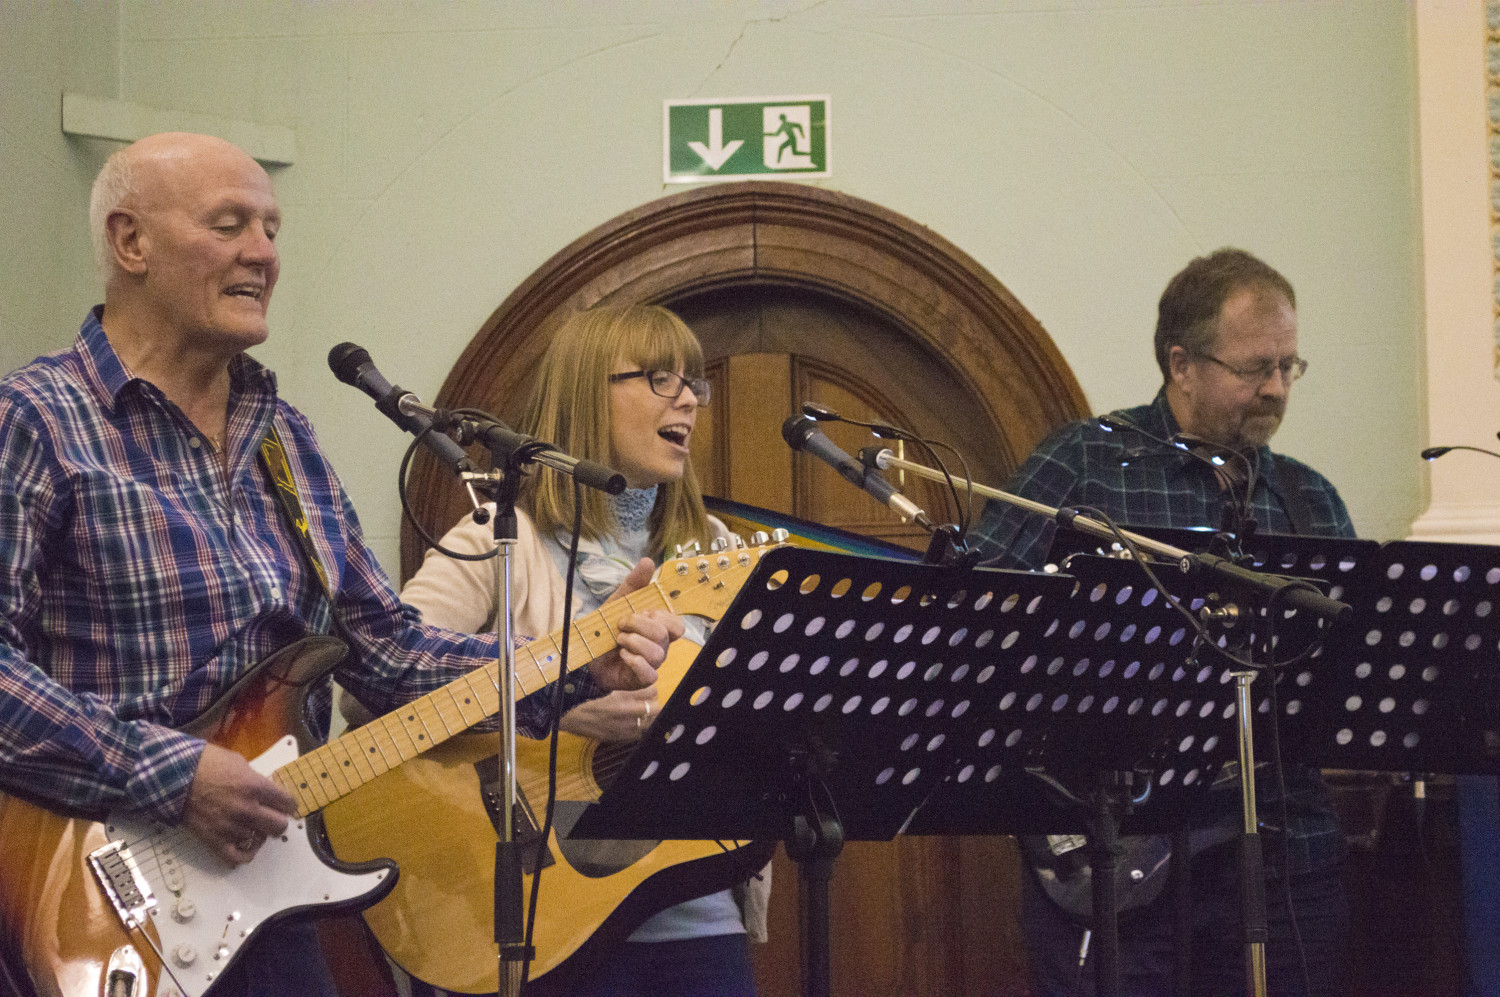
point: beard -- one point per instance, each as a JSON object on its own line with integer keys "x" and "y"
{"x": 1259, "y": 425}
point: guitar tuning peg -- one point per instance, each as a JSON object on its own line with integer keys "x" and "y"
{"x": 779, "y": 535}
{"x": 718, "y": 544}
{"x": 688, "y": 549}
{"x": 759, "y": 537}
{"x": 737, "y": 541}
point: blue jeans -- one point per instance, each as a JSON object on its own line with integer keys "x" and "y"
{"x": 713, "y": 966}
{"x": 285, "y": 960}
{"x": 1147, "y": 951}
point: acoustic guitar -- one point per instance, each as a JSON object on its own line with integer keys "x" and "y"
{"x": 131, "y": 907}
{"x": 438, "y": 817}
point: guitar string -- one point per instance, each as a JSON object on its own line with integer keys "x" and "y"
{"x": 151, "y": 846}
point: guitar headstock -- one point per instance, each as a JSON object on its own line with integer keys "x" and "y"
{"x": 704, "y": 583}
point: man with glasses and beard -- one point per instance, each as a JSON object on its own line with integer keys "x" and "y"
{"x": 1226, "y": 343}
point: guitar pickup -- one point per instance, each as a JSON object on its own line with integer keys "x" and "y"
{"x": 116, "y": 869}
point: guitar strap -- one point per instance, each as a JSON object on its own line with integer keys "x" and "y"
{"x": 1293, "y": 500}
{"x": 273, "y": 459}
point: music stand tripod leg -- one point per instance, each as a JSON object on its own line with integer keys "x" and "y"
{"x": 1110, "y": 801}
{"x": 1181, "y": 882}
{"x": 813, "y": 842}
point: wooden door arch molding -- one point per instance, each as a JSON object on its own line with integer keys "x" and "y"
{"x": 770, "y": 234}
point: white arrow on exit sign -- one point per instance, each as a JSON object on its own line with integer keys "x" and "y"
{"x": 716, "y": 153}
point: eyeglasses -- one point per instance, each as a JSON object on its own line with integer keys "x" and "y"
{"x": 1290, "y": 368}
{"x": 669, "y": 384}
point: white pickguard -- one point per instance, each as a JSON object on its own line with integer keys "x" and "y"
{"x": 206, "y": 911}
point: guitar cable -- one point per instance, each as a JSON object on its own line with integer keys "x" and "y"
{"x": 557, "y": 712}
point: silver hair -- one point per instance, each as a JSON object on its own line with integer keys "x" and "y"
{"x": 114, "y": 185}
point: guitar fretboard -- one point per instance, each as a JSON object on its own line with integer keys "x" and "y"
{"x": 346, "y": 763}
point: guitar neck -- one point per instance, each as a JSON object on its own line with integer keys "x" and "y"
{"x": 346, "y": 763}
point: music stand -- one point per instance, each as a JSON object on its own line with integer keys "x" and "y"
{"x": 1405, "y": 682}
{"x": 1108, "y": 704}
{"x": 827, "y": 704}
{"x": 1410, "y": 682}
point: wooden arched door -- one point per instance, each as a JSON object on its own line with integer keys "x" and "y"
{"x": 800, "y": 294}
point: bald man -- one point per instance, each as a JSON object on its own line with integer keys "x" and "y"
{"x": 146, "y": 564}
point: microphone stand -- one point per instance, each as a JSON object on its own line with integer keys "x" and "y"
{"x": 510, "y": 452}
{"x": 1266, "y": 588}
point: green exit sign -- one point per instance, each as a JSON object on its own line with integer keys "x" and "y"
{"x": 745, "y": 139}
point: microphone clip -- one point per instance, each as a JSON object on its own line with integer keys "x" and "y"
{"x": 947, "y": 548}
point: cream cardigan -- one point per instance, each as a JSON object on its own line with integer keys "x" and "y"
{"x": 460, "y": 595}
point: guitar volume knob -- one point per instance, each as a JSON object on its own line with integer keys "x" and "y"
{"x": 183, "y": 909}
{"x": 184, "y": 955}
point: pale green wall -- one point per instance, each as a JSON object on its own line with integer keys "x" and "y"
{"x": 46, "y": 271}
{"x": 1081, "y": 152}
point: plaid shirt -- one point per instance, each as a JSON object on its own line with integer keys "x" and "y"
{"x": 138, "y": 581}
{"x": 1079, "y": 464}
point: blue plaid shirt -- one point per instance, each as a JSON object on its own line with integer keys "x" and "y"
{"x": 1079, "y": 464}
{"x": 138, "y": 581}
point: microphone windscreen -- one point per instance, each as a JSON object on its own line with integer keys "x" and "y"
{"x": 796, "y": 429}
{"x": 345, "y": 360}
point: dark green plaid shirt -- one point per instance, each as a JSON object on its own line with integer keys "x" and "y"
{"x": 1080, "y": 464}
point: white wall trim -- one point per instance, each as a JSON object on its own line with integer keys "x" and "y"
{"x": 1463, "y": 398}
{"x": 122, "y": 121}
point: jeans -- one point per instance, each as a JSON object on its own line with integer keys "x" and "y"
{"x": 284, "y": 961}
{"x": 712, "y": 966}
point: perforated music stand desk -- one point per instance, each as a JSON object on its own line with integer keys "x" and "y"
{"x": 1409, "y": 681}
{"x": 825, "y": 706}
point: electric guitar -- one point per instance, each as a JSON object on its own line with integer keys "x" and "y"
{"x": 132, "y": 908}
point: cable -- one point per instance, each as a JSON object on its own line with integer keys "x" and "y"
{"x": 1198, "y": 628}
{"x": 411, "y": 517}
{"x": 1284, "y": 812}
{"x": 885, "y": 431}
{"x": 557, "y": 712}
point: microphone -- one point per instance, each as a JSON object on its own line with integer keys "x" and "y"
{"x": 1433, "y": 453}
{"x": 802, "y": 433}
{"x": 352, "y": 365}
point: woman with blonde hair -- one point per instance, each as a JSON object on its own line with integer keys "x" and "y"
{"x": 620, "y": 385}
